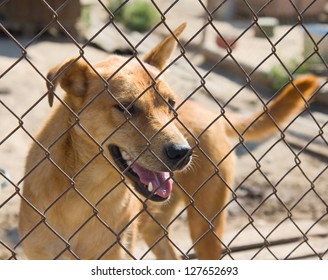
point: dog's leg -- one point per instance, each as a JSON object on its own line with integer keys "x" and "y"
{"x": 131, "y": 239}
{"x": 206, "y": 216}
{"x": 206, "y": 233}
{"x": 152, "y": 229}
{"x": 208, "y": 187}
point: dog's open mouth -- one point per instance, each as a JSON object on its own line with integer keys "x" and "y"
{"x": 156, "y": 186}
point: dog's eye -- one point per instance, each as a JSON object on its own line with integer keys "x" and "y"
{"x": 171, "y": 102}
{"x": 125, "y": 107}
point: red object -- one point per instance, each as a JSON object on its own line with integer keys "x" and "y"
{"x": 227, "y": 40}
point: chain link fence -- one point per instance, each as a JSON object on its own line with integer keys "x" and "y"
{"x": 81, "y": 199}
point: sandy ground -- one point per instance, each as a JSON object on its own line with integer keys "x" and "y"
{"x": 274, "y": 180}
{"x": 278, "y": 184}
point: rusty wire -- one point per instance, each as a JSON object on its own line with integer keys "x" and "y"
{"x": 209, "y": 22}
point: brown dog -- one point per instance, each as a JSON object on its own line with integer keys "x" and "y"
{"x": 115, "y": 147}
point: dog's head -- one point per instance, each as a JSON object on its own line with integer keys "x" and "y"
{"x": 127, "y": 107}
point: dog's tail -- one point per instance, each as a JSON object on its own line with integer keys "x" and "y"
{"x": 289, "y": 102}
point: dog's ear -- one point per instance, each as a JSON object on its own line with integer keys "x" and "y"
{"x": 159, "y": 55}
{"x": 72, "y": 77}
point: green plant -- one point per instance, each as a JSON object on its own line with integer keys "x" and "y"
{"x": 115, "y": 6}
{"x": 138, "y": 15}
{"x": 279, "y": 76}
{"x": 85, "y": 16}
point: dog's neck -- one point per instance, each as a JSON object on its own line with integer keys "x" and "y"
{"x": 73, "y": 150}
{"x": 62, "y": 141}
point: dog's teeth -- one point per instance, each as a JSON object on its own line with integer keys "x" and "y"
{"x": 124, "y": 155}
{"x": 150, "y": 187}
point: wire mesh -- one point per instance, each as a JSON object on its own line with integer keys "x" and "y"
{"x": 275, "y": 208}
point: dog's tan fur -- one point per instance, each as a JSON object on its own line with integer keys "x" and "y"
{"x": 75, "y": 201}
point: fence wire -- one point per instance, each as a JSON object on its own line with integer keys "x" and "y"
{"x": 276, "y": 207}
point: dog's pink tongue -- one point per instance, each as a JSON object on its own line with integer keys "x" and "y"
{"x": 160, "y": 181}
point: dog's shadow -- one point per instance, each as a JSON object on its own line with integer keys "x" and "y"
{"x": 251, "y": 146}
{"x": 12, "y": 235}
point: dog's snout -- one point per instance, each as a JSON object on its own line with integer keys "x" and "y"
{"x": 178, "y": 155}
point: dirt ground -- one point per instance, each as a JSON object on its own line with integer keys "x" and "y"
{"x": 276, "y": 181}
{"x": 281, "y": 179}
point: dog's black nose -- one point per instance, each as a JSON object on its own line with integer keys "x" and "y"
{"x": 178, "y": 155}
